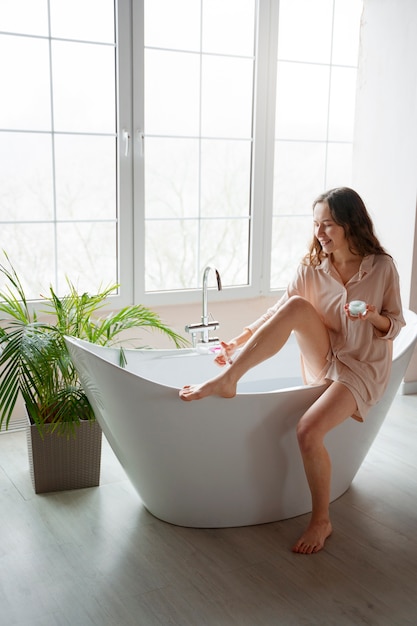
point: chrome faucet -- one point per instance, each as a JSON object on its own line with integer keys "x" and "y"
{"x": 203, "y": 329}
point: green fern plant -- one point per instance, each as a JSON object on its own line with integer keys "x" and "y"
{"x": 34, "y": 360}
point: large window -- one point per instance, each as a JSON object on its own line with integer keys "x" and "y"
{"x": 141, "y": 140}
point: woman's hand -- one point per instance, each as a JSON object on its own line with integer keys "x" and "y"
{"x": 358, "y": 316}
{"x": 381, "y": 322}
{"x": 228, "y": 350}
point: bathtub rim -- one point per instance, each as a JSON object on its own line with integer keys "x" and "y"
{"x": 169, "y": 353}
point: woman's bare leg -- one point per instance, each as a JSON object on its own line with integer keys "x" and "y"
{"x": 333, "y": 407}
{"x": 296, "y": 314}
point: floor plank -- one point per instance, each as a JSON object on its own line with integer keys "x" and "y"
{"x": 96, "y": 557}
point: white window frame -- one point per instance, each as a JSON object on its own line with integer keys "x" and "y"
{"x": 126, "y": 145}
{"x": 129, "y": 15}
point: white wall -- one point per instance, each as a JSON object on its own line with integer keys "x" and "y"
{"x": 385, "y": 142}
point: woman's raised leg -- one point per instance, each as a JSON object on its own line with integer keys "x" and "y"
{"x": 296, "y": 314}
{"x": 333, "y": 407}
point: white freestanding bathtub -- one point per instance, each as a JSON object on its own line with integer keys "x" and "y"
{"x": 221, "y": 462}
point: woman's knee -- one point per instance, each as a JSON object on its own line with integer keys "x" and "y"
{"x": 298, "y": 303}
{"x": 308, "y": 435}
{"x": 299, "y": 310}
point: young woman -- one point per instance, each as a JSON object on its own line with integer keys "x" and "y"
{"x": 352, "y": 354}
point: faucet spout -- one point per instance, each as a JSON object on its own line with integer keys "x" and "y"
{"x": 206, "y": 273}
{"x": 205, "y": 326}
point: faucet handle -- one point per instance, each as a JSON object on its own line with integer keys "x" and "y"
{"x": 196, "y": 328}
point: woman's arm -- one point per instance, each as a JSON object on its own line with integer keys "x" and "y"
{"x": 380, "y": 322}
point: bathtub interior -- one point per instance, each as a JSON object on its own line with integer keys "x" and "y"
{"x": 176, "y": 368}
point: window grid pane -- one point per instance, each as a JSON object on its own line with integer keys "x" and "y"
{"x": 198, "y": 143}
{"x": 316, "y": 80}
{"x": 59, "y": 213}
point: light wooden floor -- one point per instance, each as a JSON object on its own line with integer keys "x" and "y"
{"x": 97, "y": 557}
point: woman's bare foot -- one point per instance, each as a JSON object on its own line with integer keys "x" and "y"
{"x": 215, "y": 387}
{"x": 314, "y": 537}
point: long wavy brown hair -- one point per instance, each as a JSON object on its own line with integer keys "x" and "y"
{"x": 348, "y": 210}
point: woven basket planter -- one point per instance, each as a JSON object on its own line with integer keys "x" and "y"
{"x": 58, "y": 463}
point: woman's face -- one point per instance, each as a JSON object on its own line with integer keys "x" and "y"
{"x": 330, "y": 235}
